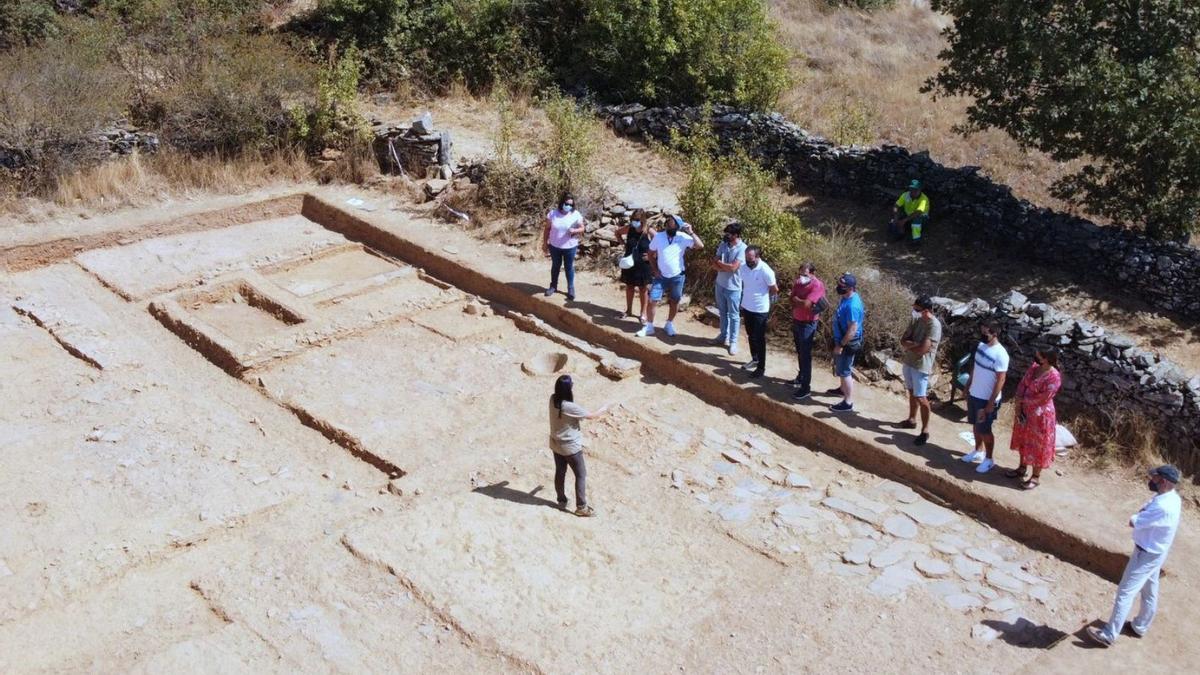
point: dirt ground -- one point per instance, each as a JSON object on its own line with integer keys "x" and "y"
{"x": 364, "y": 484}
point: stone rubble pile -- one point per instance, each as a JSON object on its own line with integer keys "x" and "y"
{"x": 1102, "y": 371}
{"x": 115, "y": 141}
{"x": 416, "y": 149}
{"x": 1166, "y": 274}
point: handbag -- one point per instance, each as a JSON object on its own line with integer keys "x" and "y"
{"x": 820, "y": 305}
{"x": 625, "y": 262}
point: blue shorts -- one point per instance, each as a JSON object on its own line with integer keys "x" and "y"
{"x": 974, "y": 406}
{"x": 916, "y": 382}
{"x": 673, "y": 286}
{"x": 842, "y": 363}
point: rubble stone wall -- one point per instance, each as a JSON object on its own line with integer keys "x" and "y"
{"x": 1165, "y": 274}
{"x": 1103, "y": 372}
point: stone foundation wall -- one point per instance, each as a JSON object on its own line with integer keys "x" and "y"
{"x": 1102, "y": 371}
{"x": 1165, "y": 274}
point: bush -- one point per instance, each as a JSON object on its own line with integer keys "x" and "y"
{"x": 683, "y": 51}
{"x": 56, "y": 96}
{"x": 853, "y": 123}
{"x": 26, "y": 22}
{"x": 676, "y": 51}
{"x": 333, "y": 119}
{"x": 566, "y": 156}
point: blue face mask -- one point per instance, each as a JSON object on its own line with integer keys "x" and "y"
{"x": 567, "y": 208}
{"x": 635, "y": 224}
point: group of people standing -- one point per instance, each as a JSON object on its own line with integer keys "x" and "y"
{"x": 746, "y": 289}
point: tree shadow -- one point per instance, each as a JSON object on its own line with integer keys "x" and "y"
{"x": 502, "y": 491}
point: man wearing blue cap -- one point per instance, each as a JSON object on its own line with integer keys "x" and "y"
{"x": 847, "y": 340}
{"x": 1153, "y": 531}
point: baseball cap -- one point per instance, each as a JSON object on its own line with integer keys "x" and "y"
{"x": 848, "y": 280}
{"x": 1167, "y": 471}
{"x": 914, "y": 184}
{"x": 924, "y": 302}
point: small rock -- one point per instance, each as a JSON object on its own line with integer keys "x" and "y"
{"x": 929, "y": 514}
{"x": 933, "y": 568}
{"x": 966, "y": 568}
{"x": 984, "y": 556}
{"x": 677, "y": 478}
{"x": 984, "y": 633}
{"x": 900, "y": 527}
{"x": 795, "y": 480}
{"x": 5, "y": 571}
{"x": 735, "y": 513}
{"x": 851, "y": 509}
{"x": 1001, "y": 605}
{"x": 1040, "y": 593}
{"x": 963, "y": 602}
{"x": 889, "y": 556}
{"x": 735, "y": 456}
{"x": 759, "y": 445}
{"x": 1004, "y": 581}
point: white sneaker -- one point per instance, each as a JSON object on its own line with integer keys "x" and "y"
{"x": 985, "y": 466}
{"x": 733, "y": 349}
{"x": 670, "y": 329}
{"x": 750, "y": 366}
{"x": 972, "y": 456}
{"x": 646, "y": 330}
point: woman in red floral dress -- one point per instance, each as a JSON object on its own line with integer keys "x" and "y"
{"x": 1033, "y": 433}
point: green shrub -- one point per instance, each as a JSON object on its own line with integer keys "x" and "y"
{"x": 566, "y": 156}
{"x": 26, "y": 22}
{"x": 867, "y": 5}
{"x": 853, "y": 123}
{"x": 333, "y": 119}
{"x": 676, "y": 51}
{"x": 684, "y": 51}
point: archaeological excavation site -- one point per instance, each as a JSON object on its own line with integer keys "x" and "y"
{"x": 306, "y": 432}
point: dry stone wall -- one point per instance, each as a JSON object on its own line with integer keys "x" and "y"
{"x": 1166, "y": 274}
{"x": 1103, "y": 372}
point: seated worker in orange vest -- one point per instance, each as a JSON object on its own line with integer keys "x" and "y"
{"x": 915, "y": 205}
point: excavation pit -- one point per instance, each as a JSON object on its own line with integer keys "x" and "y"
{"x": 544, "y": 365}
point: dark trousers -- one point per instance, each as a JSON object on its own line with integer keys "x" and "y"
{"x": 559, "y": 258}
{"x": 804, "y": 333}
{"x": 575, "y": 461}
{"x": 899, "y": 232}
{"x": 756, "y": 332}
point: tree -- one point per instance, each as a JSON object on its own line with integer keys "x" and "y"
{"x": 1115, "y": 82}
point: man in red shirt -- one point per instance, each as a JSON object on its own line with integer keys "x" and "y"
{"x": 808, "y": 299}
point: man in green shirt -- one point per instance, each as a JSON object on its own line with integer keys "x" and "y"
{"x": 913, "y": 204}
{"x": 920, "y": 343}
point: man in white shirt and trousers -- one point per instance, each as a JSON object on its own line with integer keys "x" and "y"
{"x": 1153, "y": 531}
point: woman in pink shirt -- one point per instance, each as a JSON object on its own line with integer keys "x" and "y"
{"x": 560, "y": 241}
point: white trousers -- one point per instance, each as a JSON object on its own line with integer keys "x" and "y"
{"x": 1140, "y": 577}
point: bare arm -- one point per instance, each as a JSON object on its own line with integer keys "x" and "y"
{"x": 599, "y": 413}
{"x": 1000, "y": 378}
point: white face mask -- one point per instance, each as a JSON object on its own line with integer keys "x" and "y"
{"x": 804, "y": 281}
{"x": 916, "y": 314}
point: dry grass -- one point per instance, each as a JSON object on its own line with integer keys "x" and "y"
{"x": 133, "y": 180}
{"x": 876, "y": 62}
{"x": 1118, "y": 439}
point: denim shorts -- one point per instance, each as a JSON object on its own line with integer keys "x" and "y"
{"x": 673, "y": 286}
{"x": 974, "y": 405}
{"x": 916, "y": 382}
{"x": 842, "y": 363}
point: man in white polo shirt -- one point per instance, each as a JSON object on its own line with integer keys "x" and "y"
{"x": 759, "y": 292}
{"x": 1154, "y": 530}
{"x": 666, "y": 254}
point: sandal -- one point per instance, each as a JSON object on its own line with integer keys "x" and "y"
{"x": 1015, "y": 473}
{"x": 585, "y": 511}
{"x": 1029, "y": 484}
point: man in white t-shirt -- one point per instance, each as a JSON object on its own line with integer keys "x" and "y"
{"x": 759, "y": 292}
{"x": 1154, "y": 528}
{"x": 984, "y": 387}
{"x": 666, "y": 256}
